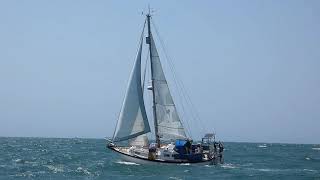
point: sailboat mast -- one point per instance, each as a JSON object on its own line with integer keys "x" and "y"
{"x": 152, "y": 82}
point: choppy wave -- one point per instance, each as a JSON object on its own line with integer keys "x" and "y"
{"x": 47, "y": 158}
{"x": 55, "y": 169}
{"x": 83, "y": 170}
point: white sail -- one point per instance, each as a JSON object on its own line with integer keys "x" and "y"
{"x": 141, "y": 141}
{"x": 133, "y": 120}
{"x": 169, "y": 124}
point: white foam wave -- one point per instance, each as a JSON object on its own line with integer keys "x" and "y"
{"x": 317, "y": 149}
{"x": 310, "y": 170}
{"x": 184, "y": 164}
{"x": 228, "y": 166}
{"x": 25, "y": 174}
{"x": 55, "y": 169}
{"x": 273, "y": 170}
{"x": 83, "y": 170}
{"x": 127, "y": 163}
{"x": 280, "y": 170}
{"x": 176, "y": 178}
{"x": 266, "y": 170}
{"x": 19, "y": 161}
{"x": 262, "y": 146}
{"x": 247, "y": 164}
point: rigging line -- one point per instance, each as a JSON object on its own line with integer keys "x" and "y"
{"x": 175, "y": 80}
{"x": 186, "y": 95}
{"x": 140, "y": 41}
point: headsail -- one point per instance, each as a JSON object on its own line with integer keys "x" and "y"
{"x": 141, "y": 141}
{"x": 133, "y": 120}
{"x": 169, "y": 124}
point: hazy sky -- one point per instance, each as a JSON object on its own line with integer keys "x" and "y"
{"x": 252, "y": 68}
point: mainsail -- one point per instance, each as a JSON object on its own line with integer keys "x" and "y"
{"x": 133, "y": 120}
{"x": 168, "y": 121}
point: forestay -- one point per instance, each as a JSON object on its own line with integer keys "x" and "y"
{"x": 133, "y": 120}
{"x": 169, "y": 124}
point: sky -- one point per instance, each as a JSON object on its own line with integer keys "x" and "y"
{"x": 251, "y": 68}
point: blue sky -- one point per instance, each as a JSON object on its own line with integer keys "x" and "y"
{"x": 251, "y": 67}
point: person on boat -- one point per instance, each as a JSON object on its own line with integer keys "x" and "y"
{"x": 188, "y": 146}
{"x": 220, "y": 147}
{"x": 152, "y": 151}
{"x": 215, "y": 147}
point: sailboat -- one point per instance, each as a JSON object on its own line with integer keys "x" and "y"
{"x": 171, "y": 145}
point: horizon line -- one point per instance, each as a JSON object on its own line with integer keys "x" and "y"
{"x": 104, "y": 138}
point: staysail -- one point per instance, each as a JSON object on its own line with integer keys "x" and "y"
{"x": 133, "y": 120}
{"x": 168, "y": 121}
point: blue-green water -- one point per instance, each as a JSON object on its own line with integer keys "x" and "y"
{"x": 52, "y": 158}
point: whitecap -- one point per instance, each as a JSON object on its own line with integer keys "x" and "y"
{"x": 317, "y": 149}
{"x": 184, "y": 164}
{"x": 310, "y": 170}
{"x": 25, "y": 174}
{"x": 247, "y": 164}
{"x": 54, "y": 168}
{"x": 266, "y": 170}
{"x": 175, "y": 178}
{"x": 272, "y": 170}
{"x": 127, "y": 163}
{"x": 82, "y": 170}
{"x": 307, "y": 158}
{"x": 32, "y": 163}
{"x": 19, "y": 161}
{"x": 228, "y": 166}
{"x": 262, "y": 146}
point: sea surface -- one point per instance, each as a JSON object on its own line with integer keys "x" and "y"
{"x": 54, "y": 158}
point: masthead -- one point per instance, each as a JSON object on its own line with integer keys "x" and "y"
{"x": 150, "y": 11}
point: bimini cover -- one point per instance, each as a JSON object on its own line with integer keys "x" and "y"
{"x": 180, "y": 146}
{"x": 180, "y": 143}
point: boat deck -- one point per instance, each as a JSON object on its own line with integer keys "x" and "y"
{"x": 141, "y": 155}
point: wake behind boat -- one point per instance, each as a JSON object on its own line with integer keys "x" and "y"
{"x": 172, "y": 144}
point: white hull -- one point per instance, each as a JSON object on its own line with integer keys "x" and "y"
{"x": 145, "y": 161}
{"x": 148, "y": 162}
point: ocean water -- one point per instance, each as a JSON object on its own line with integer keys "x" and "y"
{"x": 54, "y": 158}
